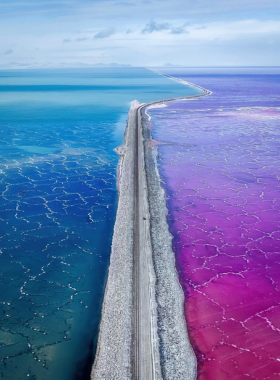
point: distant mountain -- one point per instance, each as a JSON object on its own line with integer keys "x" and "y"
{"x": 101, "y": 64}
{"x": 170, "y": 65}
{"x": 110, "y": 65}
{"x": 66, "y": 65}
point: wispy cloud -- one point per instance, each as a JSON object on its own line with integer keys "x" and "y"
{"x": 68, "y": 30}
{"x": 105, "y": 33}
{"x": 152, "y": 26}
{"x": 179, "y": 30}
{"x": 81, "y": 39}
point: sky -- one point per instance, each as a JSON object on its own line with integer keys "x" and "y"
{"x": 80, "y": 33}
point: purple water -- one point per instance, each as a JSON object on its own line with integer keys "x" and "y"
{"x": 219, "y": 161}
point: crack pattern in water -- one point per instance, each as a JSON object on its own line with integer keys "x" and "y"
{"x": 58, "y": 129}
{"x": 54, "y": 208}
{"x": 220, "y": 168}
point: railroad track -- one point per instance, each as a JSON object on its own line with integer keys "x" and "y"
{"x": 136, "y": 332}
{"x": 143, "y": 361}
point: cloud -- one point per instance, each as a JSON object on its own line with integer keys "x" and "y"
{"x": 80, "y": 39}
{"x": 152, "y": 26}
{"x": 233, "y": 37}
{"x": 9, "y": 51}
{"x": 105, "y": 33}
{"x": 179, "y": 30}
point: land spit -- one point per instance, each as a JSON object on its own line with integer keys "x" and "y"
{"x": 143, "y": 333}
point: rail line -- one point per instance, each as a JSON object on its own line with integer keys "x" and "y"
{"x": 144, "y": 349}
{"x": 136, "y": 332}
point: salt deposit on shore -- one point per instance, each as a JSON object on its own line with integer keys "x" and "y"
{"x": 176, "y": 354}
{"x": 172, "y": 357}
{"x": 177, "y": 358}
{"x": 113, "y": 356}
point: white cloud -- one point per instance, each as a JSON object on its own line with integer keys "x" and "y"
{"x": 105, "y": 33}
{"x": 186, "y": 31}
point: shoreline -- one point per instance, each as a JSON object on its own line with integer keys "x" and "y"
{"x": 161, "y": 350}
{"x": 204, "y": 90}
{"x": 113, "y": 354}
{"x": 177, "y": 357}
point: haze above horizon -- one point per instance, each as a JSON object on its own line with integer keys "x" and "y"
{"x": 71, "y": 33}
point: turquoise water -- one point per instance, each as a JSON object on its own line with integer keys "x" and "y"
{"x": 57, "y": 210}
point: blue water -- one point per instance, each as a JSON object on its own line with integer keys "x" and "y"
{"x": 57, "y": 210}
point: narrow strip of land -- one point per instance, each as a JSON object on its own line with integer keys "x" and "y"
{"x": 145, "y": 347}
{"x": 143, "y": 301}
{"x": 136, "y": 259}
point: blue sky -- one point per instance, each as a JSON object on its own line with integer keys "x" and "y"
{"x": 72, "y": 33}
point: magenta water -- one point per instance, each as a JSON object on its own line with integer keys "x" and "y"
{"x": 219, "y": 161}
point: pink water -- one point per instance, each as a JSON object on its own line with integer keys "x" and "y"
{"x": 220, "y": 167}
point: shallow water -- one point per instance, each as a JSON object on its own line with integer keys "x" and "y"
{"x": 219, "y": 160}
{"x": 57, "y": 210}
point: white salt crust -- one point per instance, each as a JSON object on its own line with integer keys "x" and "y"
{"x": 177, "y": 358}
{"x": 113, "y": 356}
{"x": 113, "y": 360}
